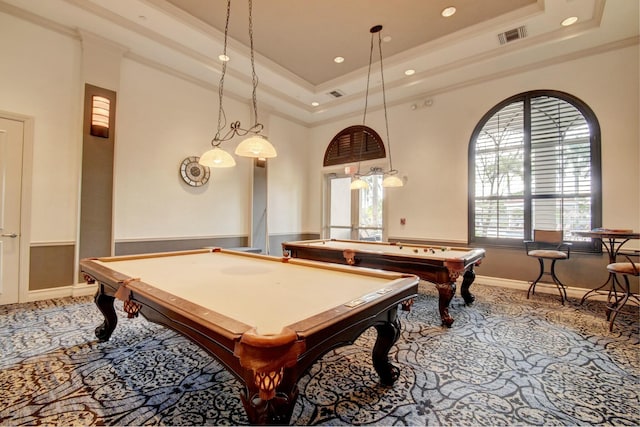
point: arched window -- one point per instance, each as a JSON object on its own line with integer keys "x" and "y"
{"x": 534, "y": 162}
{"x": 354, "y": 144}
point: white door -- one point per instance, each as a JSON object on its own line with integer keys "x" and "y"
{"x": 11, "y": 145}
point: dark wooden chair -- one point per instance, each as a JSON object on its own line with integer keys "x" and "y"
{"x": 548, "y": 245}
{"x": 619, "y": 297}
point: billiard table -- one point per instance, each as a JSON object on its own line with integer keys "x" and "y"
{"x": 266, "y": 319}
{"x": 440, "y": 265}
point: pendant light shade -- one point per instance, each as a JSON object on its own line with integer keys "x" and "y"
{"x": 392, "y": 181}
{"x": 217, "y": 158}
{"x": 358, "y": 184}
{"x": 256, "y": 146}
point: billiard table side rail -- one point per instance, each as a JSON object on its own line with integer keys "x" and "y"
{"x": 431, "y": 270}
{"x": 381, "y": 246}
{"x": 292, "y": 354}
{"x": 117, "y": 285}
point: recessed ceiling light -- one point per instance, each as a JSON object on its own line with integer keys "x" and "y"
{"x": 449, "y": 11}
{"x": 338, "y": 59}
{"x": 223, "y": 57}
{"x": 570, "y": 21}
{"x": 315, "y": 104}
{"x": 386, "y": 39}
{"x": 409, "y": 72}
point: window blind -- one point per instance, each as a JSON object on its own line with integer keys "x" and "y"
{"x": 354, "y": 144}
{"x": 560, "y": 166}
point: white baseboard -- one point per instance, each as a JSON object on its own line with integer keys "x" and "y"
{"x": 78, "y": 290}
{"x": 547, "y": 288}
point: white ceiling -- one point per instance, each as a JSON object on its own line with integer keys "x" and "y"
{"x": 296, "y": 40}
{"x": 305, "y": 36}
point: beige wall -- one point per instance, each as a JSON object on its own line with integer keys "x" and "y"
{"x": 39, "y": 77}
{"x": 162, "y": 120}
{"x": 288, "y": 178}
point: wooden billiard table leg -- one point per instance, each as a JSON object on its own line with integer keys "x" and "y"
{"x": 467, "y": 280}
{"x": 388, "y": 334}
{"x": 446, "y": 291}
{"x": 270, "y": 375}
{"x": 275, "y": 411}
{"x": 105, "y": 305}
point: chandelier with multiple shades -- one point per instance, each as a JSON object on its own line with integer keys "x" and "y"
{"x": 391, "y": 178}
{"x": 256, "y": 145}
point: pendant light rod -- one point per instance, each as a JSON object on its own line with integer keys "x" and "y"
{"x": 222, "y": 118}
{"x": 359, "y": 183}
{"x": 256, "y": 145}
{"x": 390, "y": 180}
{"x": 254, "y": 76}
{"x": 377, "y": 29}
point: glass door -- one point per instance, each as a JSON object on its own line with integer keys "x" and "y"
{"x": 369, "y": 214}
{"x": 340, "y": 213}
{"x": 355, "y": 214}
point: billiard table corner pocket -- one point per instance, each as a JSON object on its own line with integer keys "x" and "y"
{"x": 267, "y": 356}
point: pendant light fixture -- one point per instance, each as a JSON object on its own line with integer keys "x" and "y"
{"x": 390, "y": 177}
{"x": 255, "y": 145}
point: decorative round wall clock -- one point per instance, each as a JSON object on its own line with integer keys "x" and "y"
{"x": 193, "y": 173}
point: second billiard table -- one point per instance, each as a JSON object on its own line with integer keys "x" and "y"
{"x": 437, "y": 264}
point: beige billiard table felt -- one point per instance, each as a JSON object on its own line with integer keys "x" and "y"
{"x": 393, "y": 249}
{"x": 261, "y": 293}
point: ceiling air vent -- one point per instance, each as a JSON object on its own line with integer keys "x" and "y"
{"x": 336, "y": 93}
{"x": 512, "y": 35}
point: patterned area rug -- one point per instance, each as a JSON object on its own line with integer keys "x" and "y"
{"x": 506, "y": 361}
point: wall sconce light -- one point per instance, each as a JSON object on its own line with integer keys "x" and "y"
{"x": 100, "y": 110}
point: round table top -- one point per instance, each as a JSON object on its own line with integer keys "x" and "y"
{"x": 608, "y": 233}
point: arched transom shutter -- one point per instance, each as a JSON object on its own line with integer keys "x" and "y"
{"x": 353, "y": 144}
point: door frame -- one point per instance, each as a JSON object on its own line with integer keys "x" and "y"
{"x": 325, "y": 201}
{"x": 259, "y": 218}
{"x": 327, "y": 176}
{"x": 25, "y": 201}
